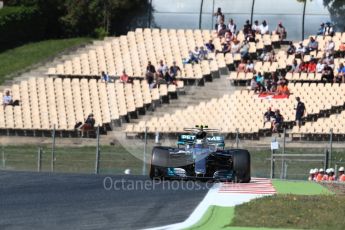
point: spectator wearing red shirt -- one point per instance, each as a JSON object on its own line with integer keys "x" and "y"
{"x": 312, "y": 66}
{"x": 303, "y": 67}
{"x": 125, "y": 78}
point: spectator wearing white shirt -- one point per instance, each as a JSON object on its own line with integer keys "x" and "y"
{"x": 232, "y": 26}
{"x": 319, "y": 67}
{"x": 219, "y": 17}
{"x": 7, "y": 99}
{"x": 162, "y": 68}
{"x": 281, "y": 31}
{"x": 250, "y": 66}
{"x": 256, "y": 26}
{"x": 264, "y": 29}
{"x": 329, "y": 47}
{"x": 300, "y": 50}
{"x": 202, "y": 53}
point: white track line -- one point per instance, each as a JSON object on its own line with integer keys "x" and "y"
{"x": 226, "y": 195}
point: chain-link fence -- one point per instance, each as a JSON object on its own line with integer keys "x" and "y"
{"x": 291, "y": 160}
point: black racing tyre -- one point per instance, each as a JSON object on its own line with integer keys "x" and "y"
{"x": 241, "y": 165}
{"x": 159, "y": 162}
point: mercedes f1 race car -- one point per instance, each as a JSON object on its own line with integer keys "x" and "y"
{"x": 199, "y": 156}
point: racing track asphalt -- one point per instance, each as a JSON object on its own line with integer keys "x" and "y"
{"x": 64, "y": 201}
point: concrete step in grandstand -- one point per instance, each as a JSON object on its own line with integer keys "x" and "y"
{"x": 191, "y": 96}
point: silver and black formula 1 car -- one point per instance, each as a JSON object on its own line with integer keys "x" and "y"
{"x": 199, "y": 156}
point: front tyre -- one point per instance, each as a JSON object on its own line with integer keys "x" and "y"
{"x": 241, "y": 165}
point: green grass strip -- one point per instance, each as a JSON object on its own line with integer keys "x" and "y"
{"x": 219, "y": 218}
{"x": 21, "y": 57}
{"x": 300, "y": 188}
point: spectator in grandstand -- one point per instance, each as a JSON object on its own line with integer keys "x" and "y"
{"x": 150, "y": 73}
{"x": 203, "y": 54}
{"x": 292, "y": 49}
{"x": 221, "y": 29}
{"x": 125, "y": 78}
{"x": 281, "y": 31}
{"x": 226, "y": 48}
{"x": 162, "y": 68}
{"x": 250, "y": 66}
{"x": 159, "y": 80}
{"x": 228, "y": 36}
{"x": 250, "y": 37}
{"x": 312, "y": 66}
{"x": 253, "y": 84}
{"x": 278, "y": 121}
{"x": 235, "y": 47}
{"x": 329, "y": 47}
{"x": 174, "y": 70}
{"x": 294, "y": 67}
{"x": 264, "y": 29}
{"x": 341, "y": 74}
{"x": 329, "y": 29}
{"x": 210, "y": 46}
{"x": 191, "y": 58}
{"x": 232, "y": 26}
{"x": 150, "y": 69}
{"x": 260, "y": 82}
{"x": 282, "y": 89}
{"x": 320, "y": 66}
{"x": 247, "y": 28}
{"x": 88, "y": 125}
{"x": 320, "y": 31}
{"x": 342, "y": 49}
{"x": 196, "y": 53}
{"x": 242, "y": 66}
{"x": 7, "y": 99}
{"x": 244, "y": 50}
{"x": 256, "y": 27}
{"x": 311, "y": 175}
{"x": 104, "y": 77}
{"x": 300, "y": 110}
{"x": 312, "y": 45}
{"x": 341, "y": 175}
{"x": 303, "y": 67}
{"x": 329, "y": 59}
{"x": 219, "y": 17}
{"x": 327, "y": 74}
{"x": 268, "y": 56}
{"x": 282, "y": 80}
{"x": 300, "y": 51}
{"x": 269, "y": 115}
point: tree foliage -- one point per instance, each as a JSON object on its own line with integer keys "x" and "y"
{"x": 67, "y": 18}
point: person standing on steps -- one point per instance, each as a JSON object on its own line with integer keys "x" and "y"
{"x": 300, "y": 110}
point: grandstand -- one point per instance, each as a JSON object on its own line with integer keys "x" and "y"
{"x": 73, "y": 89}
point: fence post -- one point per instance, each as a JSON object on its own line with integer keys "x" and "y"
{"x": 97, "y": 153}
{"x": 330, "y": 148}
{"x": 283, "y": 152}
{"x": 39, "y": 159}
{"x": 325, "y": 164}
{"x": 3, "y": 157}
{"x": 53, "y": 150}
{"x": 145, "y": 148}
{"x": 285, "y": 170}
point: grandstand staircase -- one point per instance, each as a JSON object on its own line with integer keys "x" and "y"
{"x": 192, "y": 95}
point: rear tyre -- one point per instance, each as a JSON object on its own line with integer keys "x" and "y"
{"x": 241, "y": 166}
{"x": 159, "y": 162}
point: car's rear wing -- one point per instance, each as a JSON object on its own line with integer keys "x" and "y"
{"x": 185, "y": 139}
